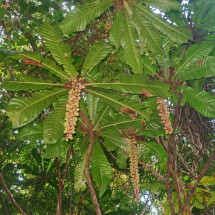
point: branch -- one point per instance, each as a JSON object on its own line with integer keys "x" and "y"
{"x": 87, "y": 164}
{"x": 193, "y": 189}
{"x": 9, "y": 194}
{"x": 60, "y": 188}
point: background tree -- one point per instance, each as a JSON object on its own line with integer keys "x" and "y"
{"x": 110, "y": 103}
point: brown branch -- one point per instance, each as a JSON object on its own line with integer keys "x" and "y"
{"x": 9, "y": 194}
{"x": 60, "y": 188}
{"x": 68, "y": 157}
{"x": 169, "y": 193}
{"x": 185, "y": 165}
{"x": 193, "y": 189}
{"x": 87, "y": 164}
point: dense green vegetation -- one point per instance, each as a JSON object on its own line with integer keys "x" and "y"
{"x": 107, "y": 107}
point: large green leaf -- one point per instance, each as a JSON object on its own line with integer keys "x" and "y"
{"x": 80, "y": 180}
{"x": 100, "y": 169}
{"x": 130, "y": 46}
{"x": 28, "y": 83}
{"x": 112, "y": 136}
{"x": 117, "y": 30}
{"x": 136, "y": 84}
{"x": 81, "y": 16}
{"x": 95, "y": 55}
{"x": 121, "y": 159}
{"x": 175, "y": 33}
{"x": 207, "y": 181}
{"x": 193, "y": 55}
{"x": 203, "y": 69}
{"x": 118, "y": 102}
{"x": 92, "y": 107}
{"x": 33, "y": 133}
{"x": 23, "y": 110}
{"x": 156, "y": 150}
{"x": 58, "y": 149}
{"x": 164, "y": 5}
{"x": 53, "y": 129}
{"x": 151, "y": 37}
{"x": 202, "y": 101}
{"x": 60, "y": 51}
{"x": 45, "y": 63}
{"x": 121, "y": 122}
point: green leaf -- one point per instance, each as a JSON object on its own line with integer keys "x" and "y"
{"x": 100, "y": 169}
{"x": 151, "y": 37}
{"x": 53, "y": 128}
{"x": 194, "y": 54}
{"x": 32, "y": 133}
{"x": 157, "y": 150}
{"x": 80, "y": 180}
{"x": 130, "y": 47}
{"x": 113, "y": 137}
{"x": 60, "y": 51}
{"x": 96, "y": 54}
{"x": 45, "y": 63}
{"x": 164, "y": 5}
{"x": 117, "y": 102}
{"x": 205, "y": 68}
{"x": 136, "y": 84}
{"x": 121, "y": 122}
{"x": 58, "y": 149}
{"x": 207, "y": 181}
{"x": 175, "y": 33}
{"x": 23, "y": 110}
{"x": 121, "y": 159}
{"x": 116, "y": 30}
{"x": 28, "y": 83}
{"x": 202, "y": 101}
{"x": 81, "y": 16}
{"x": 92, "y": 105}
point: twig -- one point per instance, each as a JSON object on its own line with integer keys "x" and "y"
{"x": 193, "y": 189}
{"x": 60, "y": 187}
{"x": 9, "y": 194}
{"x": 68, "y": 156}
{"x": 169, "y": 193}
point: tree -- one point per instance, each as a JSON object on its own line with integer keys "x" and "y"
{"x": 111, "y": 103}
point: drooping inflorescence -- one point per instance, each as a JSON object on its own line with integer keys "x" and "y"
{"x": 72, "y": 107}
{"x": 164, "y": 114}
{"x": 133, "y": 155}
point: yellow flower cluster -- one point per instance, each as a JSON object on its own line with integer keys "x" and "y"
{"x": 72, "y": 107}
{"x": 133, "y": 155}
{"x": 164, "y": 114}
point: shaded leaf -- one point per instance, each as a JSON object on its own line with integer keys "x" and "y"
{"x": 60, "y": 51}
{"x": 80, "y": 17}
{"x": 28, "y": 83}
{"x": 23, "y": 110}
{"x": 202, "y": 101}
{"x": 53, "y": 129}
{"x": 100, "y": 169}
{"x": 58, "y": 149}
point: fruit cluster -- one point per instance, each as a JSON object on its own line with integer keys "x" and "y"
{"x": 164, "y": 114}
{"x": 72, "y": 107}
{"x": 133, "y": 155}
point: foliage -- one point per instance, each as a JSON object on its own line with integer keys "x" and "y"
{"x": 110, "y": 62}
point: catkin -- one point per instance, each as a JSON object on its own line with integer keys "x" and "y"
{"x": 164, "y": 114}
{"x": 72, "y": 107}
{"x": 133, "y": 155}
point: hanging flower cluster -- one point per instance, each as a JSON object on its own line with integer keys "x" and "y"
{"x": 133, "y": 155}
{"x": 164, "y": 114}
{"x": 72, "y": 107}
